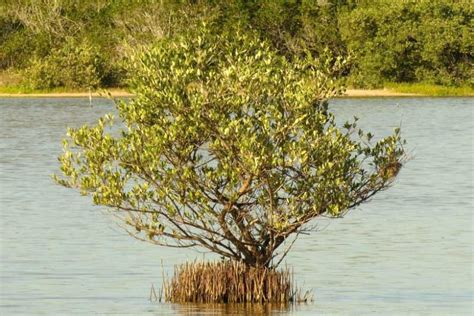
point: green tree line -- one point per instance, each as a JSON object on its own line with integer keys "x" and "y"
{"x": 84, "y": 44}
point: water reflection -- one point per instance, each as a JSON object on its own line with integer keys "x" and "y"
{"x": 232, "y": 309}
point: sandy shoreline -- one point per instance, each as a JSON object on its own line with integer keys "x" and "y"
{"x": 377, "y": 93}
{"x": 350, "y": 93}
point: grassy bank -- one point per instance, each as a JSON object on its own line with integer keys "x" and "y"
{"x": 23, "y": 91}
{"x": 427, "y": 89}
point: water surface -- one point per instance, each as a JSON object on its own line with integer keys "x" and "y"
{"x": 407, "y": 251}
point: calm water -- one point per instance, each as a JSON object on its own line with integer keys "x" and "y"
{"x": 409, "y": 251}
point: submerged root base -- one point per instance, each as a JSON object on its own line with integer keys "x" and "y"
{"x": 229, "y": 282}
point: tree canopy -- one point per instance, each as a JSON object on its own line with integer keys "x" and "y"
{"x": 229, "y": 146}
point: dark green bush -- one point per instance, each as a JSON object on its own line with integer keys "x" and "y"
{"x": 409, "y": 41}
{"x": 74, "y": 65}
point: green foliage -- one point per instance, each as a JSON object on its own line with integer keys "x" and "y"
{"x": 406, "y": 41}
{"x": 296, "y": 26}
{"x": 17, "y": 45}
{"x": 391, "y": 41}
{"x": 229, "y": 146}
{"x": 75, "y": 65}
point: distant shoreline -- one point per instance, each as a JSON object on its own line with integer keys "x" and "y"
{"x": 122, "y": 93}
{"x": 113, "y": 93}
{"x": 350, "y": 93}
{"x": 355, "y": 93}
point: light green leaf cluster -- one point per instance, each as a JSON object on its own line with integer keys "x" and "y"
{"x": 229, "y": 146}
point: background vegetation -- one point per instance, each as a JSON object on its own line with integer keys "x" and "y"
{"x": 46, "y": 44}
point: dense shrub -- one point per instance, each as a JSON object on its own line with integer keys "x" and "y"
{"x": 73, "y": 66}
{"x": 17, "y": 44}
{"x": 407, "y": 41}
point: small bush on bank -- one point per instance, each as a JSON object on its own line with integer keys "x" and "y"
{"x": 74, "y": 65}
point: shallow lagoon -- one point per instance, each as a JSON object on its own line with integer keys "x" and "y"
{"x": 408, "y": 251}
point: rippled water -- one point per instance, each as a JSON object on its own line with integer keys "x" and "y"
{"x": 408, "y": 251}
